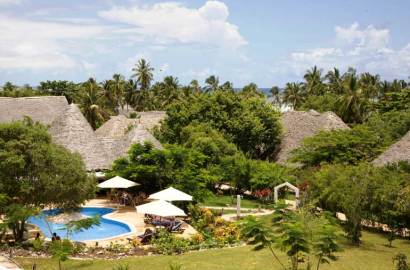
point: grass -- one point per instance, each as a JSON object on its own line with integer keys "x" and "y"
{"x": 226, "y": 200}
{"x": 373, "y": 254}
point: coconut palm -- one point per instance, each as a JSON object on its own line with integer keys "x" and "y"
{"x": 130, "y": 93}
{"x": 195, "y": 87}
{"x": 170, "y": 88}
{"x": 143, "y": 73}
{"x": 314, "y": 84}
{"x": 294, "y": 94}
{"x": 335, "y": 81}
{"x": 275, "y": 92}
{"x": 211, "y": 83}
{"x": 352, "y": 104}
{"x": 92, "y": 102}
{"x": 370, "y": 85}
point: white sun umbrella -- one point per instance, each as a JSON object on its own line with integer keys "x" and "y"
{"x": 117, "y": 182}
{"x": 170, "y": 194}
{"x": 160, "y": 208}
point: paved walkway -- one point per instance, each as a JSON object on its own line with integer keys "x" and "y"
{"x": 6, "y": 264}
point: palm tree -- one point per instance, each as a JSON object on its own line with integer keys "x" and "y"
{"x": 275, "y": 92}
{"x": 130, "y": 96}
{"x": 352, "y": 104}
{"x": 195, "y": 87}
{"x": 92, "y": 103}
{"x": 212, "y": 83}
{"x": 143, "y": 72}
{"x": 370, "y": 85}
{"x": 118, "y": 88}
{"x": 335, "y": 81}
{"x": 294, "y": 94}
{"x": 170, "y": 87}
{"x": 314, "y": 84}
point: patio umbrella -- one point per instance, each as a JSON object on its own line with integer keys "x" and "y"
{"x": 117, "y": 182}
{"x": 160, "y": 208}
{"x": 170, "y": 194}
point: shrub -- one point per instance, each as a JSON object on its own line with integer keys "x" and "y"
{"x": 167, "y": 243}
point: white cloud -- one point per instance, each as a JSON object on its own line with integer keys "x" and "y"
{"x": 38, "y": 45}
{"x": 366, "y": 49}
{"x": 173, "y": 22}
{"x": 10, "y": 2}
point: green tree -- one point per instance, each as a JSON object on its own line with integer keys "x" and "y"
{"x": 346, "y": 146}
{"x": 335, "y": 81}
{"x": 211, "y": 83}
{"x": 348, "y": 189}
{"x": 92, "y": 103}
{"x": 143, "y": 72}
{"x": 59, "y": 88}
{"x": 294, "y": 94}
{"x": 31, "y": 164}
{"x": 156, "y": 169}
{"x": 352, "y": 106}
{"x": 250, "y": 123}
{"x": 314, "y": 84}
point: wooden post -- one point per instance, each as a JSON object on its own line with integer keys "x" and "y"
{"x": 238, "y": 206}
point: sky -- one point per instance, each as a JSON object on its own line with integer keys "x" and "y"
{"x": 268, "y": 42}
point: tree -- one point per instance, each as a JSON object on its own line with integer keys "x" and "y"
{"x": 335, "y": 81}
{"x": 345, "y": 146}
{"x": 275, "y": 92}
{"x": 314, "y": 84}
{"x": 294, "y": 94}
{"x": 115, "y": 89}
{"x": 92, "y": 103}
{"x": 60, "y": 88}
{"x": 143, "y": 73}
{"x": 156, "y": 169}
{"x": 211, "y": 83}
{"x": 250, "y": 123}
{"x": 299, "y": 234}
{"x": 352, "y": 106}
{"x": 347, "y": 189}
{"x": 31, "y": 164}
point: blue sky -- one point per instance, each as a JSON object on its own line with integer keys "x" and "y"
{"x": 268, "y": 42}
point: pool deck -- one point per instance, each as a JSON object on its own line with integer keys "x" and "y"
{"x": 134, "y": 220}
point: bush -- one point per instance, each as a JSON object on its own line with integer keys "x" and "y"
{"x": 167, "y": 243}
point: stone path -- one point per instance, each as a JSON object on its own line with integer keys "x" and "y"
{"x": 6, "y": 264}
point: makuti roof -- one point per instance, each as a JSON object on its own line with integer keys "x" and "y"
{"x": 69, "y": 128}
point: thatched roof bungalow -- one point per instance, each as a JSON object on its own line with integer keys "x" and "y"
{"x": 399, "y": 151}
{"x": 69, "y": 128}
{"x": 298, "y": 125}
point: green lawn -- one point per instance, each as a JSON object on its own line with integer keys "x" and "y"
{"x": 225, "y": 200}
{"x": 372, "y": 255}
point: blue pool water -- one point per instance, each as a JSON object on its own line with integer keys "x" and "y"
{"x": 107, "y": 228}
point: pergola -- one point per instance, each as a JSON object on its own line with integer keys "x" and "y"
{"x": 288, "y": 185}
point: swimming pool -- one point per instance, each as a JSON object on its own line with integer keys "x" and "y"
{"x": 108, "y": 228}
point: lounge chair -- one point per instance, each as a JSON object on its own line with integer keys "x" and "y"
{"x": 177, "y": 227}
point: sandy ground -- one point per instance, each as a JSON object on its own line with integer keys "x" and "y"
{"x": 6, "y": 264}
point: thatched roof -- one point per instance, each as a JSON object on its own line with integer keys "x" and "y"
{"x": 151, "y": 119}
{"x": 119, "y": 133}
{"x": 148, "y": 119}
{"x": 41, "y": 109}
{"x": 69, "y": 128}
{"x": 400, "y": 151}
{"x": 299, "y": 125}
{"x": 72, "y": 131}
